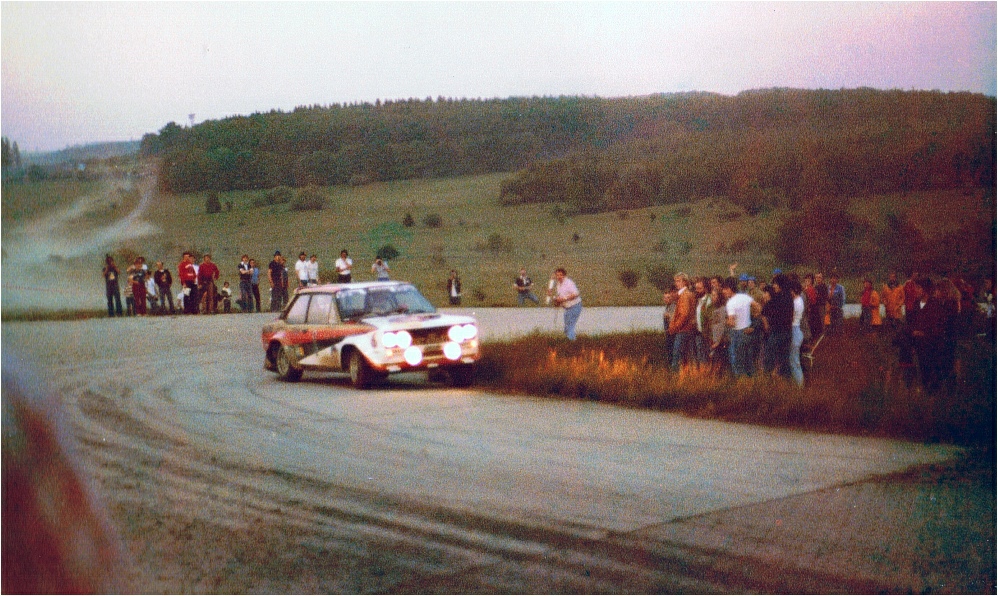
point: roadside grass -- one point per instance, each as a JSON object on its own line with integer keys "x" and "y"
{"x": 35, "y": 315}
{"x": 856, "y": 385}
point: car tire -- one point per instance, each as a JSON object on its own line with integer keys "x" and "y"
{"x": 361, "y": 375}
{"x": 462, "y": 376}
{"x": 287, "y": 369}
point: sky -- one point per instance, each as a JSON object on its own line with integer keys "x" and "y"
{"x": 81, "y": 72}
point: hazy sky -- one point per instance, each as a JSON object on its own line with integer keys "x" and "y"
{"x": 81, "y": 72}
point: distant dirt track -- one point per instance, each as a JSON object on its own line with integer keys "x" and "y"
{"x": 219, "y": 478}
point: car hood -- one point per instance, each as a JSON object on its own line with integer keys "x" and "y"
{"x": 402, "y": 321}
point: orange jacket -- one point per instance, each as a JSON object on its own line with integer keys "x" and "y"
{"x": 684, "y": 320}
{"x": 875, "y": 318}
{"x": 893, "y": 301}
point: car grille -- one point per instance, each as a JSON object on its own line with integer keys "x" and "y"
{"x": 433, "y": 335}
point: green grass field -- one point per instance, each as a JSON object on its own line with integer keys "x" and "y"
{"x": 486, "y": 243}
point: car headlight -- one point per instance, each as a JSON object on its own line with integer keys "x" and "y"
{"x": 397, "y": 339}
{"x": 462, "y": 333}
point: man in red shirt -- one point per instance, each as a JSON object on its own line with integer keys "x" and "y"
{"x": 207, "y": 275}
{"x": 189, "y": 280}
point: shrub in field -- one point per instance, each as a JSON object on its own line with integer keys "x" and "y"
{"x": 661, "y": 277}
{"x": 388, "y": 252}
{"x": 212, "y": 204}
{"x": 433, "y": 220}
{"x": 629, "y": 278}
{"x": 308, "y": 199}
{"x": 278, "y": 196}
{"x": 496, "y": 243}
{"x": 408, "y": 221}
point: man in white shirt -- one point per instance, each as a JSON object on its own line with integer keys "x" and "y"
{"x": 301, "y": 269}
{"x": 313, "y": 271}
{"x": 739, "y": 308}
{"x": 566, "y": 295}
{"x": 344, "y": 266}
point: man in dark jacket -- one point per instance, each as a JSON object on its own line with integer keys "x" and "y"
{"x": 927, "y": 323}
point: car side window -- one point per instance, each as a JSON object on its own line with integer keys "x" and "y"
{"x": 318, "y": 310}
{"x": 296, "y": 314}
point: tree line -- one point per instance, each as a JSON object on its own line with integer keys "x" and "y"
{"x": 776, "y": 147}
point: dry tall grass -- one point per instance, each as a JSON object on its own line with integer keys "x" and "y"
{"x": 856, "y": 385}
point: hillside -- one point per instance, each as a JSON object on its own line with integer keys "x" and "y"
{"x": 56, "y": 233}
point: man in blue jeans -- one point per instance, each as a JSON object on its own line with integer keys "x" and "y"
{"x": 566, "y": 295}
{"x": 739, "y": 309}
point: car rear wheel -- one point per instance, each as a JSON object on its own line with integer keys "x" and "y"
{"x": 287, "y": 370}
{"x": 361, "y": 374}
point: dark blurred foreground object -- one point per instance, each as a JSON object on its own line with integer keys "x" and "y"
{"x": 56, "y": 538}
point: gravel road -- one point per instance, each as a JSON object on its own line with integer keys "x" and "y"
{"x": 219, "y": 478}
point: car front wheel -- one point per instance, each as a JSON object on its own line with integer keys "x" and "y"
{"x": 361, "y": 374}
{"x": 286, "y": 368}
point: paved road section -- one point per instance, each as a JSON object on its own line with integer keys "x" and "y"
{"x": 417, "y": 487}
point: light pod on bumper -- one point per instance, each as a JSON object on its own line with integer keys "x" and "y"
{"x": 462, "y": 333}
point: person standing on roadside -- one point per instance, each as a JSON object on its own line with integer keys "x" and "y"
{"x": 189, "y": 280}
{"x": 344, "y": 268}
{"x": 566, "y": 295}
{"x": 245, "y": 301}
{"x": 301, "y": 269}
{"x": 111, "y": 287}
{"x": 836, "y": 304}
{"x": 454, "y": 288}
{"x": 313, "y": 271}
{"x": 137, "y": 276}
{"x": 275, "y": 271}
{"x": 683, "y": 325}
{"x": 255, "y": 283}
{"x": 739, "y": 309}
{"x": 380, "y": 269}
{"x": 164, "y": 286}
{"x": 892, "y": 297}
{"x": 208, "y": 274}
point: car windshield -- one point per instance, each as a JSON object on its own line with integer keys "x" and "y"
{"x": 357, "y": 303}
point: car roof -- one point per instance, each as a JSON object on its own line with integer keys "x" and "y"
{"x": 365, "y": 285}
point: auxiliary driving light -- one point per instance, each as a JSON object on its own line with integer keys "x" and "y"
{"x": 413, "y": 355}
{"x": 452, "y": 350}
{"x": 398, "y": 339}
{"x": 460, "y": 333}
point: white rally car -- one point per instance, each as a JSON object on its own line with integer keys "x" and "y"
{"x": 369, "y": 330}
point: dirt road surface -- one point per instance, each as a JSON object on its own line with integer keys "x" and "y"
{"x": 219, "y": 478}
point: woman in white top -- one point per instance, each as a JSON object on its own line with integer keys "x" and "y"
{"x": 797, "y": 336}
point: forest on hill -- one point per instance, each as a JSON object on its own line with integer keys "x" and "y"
{"x": 775, "y": 148}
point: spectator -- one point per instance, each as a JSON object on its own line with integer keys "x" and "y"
{"x": 778, "y": 314}
{"x": 869, "y": 302}
{"x": 928, "y": 330}
{"x": 566, "y": 295}
{"x": 683, "y": 326}
{"x": 738, "y": 306}
{"x": 718, "y": 356}
{"x": 380, "y": 270}
{"x": 137, "y": 277}
{"x": 313, "y": 271}
{"x": 276, "y": 274}
{"x": 111, "y": 287}
{"x": 344, "y": 267}
{"x": 892, "y": 297}
{"x": 255, "y": 283}
{"x": 454, "y": 289}
{"x": 129, "y": 297}
{"x": 524, "y": 289}
{"x": 821, "y": 306}
{"x": 301, "y": 270}
{"x": 669, "y": 298}
{"x": 836, "y": 305}
{"x": 187, "y": 275}
{"x": 912, "y": 294}
{"x": 225, "y": 295}
{"x": 245, "y": 300}
{"x": 207, "y": 276}
{"x": 797, "y": 334}
{"x": 704, "y": 310}
{"x": 164, "y": 286}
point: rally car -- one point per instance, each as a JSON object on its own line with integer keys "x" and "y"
{"x": 369, "y": 330}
